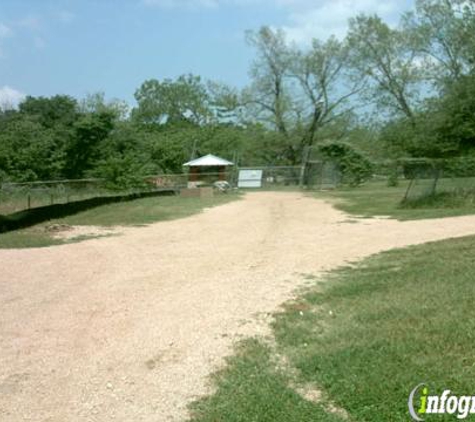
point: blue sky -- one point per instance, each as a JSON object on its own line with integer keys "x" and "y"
{"x": 77, "y": 47}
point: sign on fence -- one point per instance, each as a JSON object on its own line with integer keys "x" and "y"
{"x": 250, "y": 179}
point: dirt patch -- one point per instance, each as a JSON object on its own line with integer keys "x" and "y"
{"x": 129, "y": 327}
{"x": 66, "y": 232}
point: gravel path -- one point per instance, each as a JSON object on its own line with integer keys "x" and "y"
{"x": 128, "y": 327}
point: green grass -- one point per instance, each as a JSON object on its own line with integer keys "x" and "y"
{"x": 252, "y": 388}
{"x": 367, "y": 337}
{"x": 375, "y": 198}
{"x": 34, "y": 237}
{"x": 145, "y": 211}
{"x": 128, "y": 213}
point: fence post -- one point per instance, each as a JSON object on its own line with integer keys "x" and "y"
{"x": 305, "y": 157}
{"x": 29, "y": 201}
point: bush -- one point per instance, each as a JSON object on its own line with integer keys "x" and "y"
{"x": 460, "y": 167}
{"x": 355, "y": 167}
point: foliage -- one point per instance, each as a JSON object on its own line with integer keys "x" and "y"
{"x": 28, "y": 151}
{"x": 60, "y": 109}
{"x": 89, "y": 130}
{"x": 446, "y": 127}
{"x": 442, "y": 33}
{"x": 185, "y": 99}
{"x": 125, "y": 159}
{"x": 385, "y": 57}
{"x": 304, "y": 95}
{"x": 419, "y": 75}
{"x": 354, "y": 166}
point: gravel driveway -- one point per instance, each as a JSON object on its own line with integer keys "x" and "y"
{"x": 128, "y": 327}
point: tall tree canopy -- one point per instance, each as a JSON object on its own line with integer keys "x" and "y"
{"x": 185, "y": 99}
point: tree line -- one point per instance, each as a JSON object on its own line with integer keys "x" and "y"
{"x": 405, "y": 91}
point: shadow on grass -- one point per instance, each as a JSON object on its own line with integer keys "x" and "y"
{"x": 28, "y": 218}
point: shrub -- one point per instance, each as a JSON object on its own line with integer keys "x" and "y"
{"x": 355, "y": 167}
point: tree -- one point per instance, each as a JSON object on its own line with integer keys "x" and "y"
{"x": 268, "y": 95}
{"x": 28, "y": 151}
{"x": 453, "y": 117}
{"x": 355, "y": 168}
{"x": 225, "y": 103}
{"x": 443, "y": 32}
{"x": 96, "y": 103}
{"x": 386, "y": 57}
{"x": 300, "y": 93}
{"x": 51, "y": 112}
{"x": 445, "y": 127}
{"x": 185, "y": 99}
{"x": 124, "y": 158}
{"x": 326, "y": 85}
{"x": 89, "y": 131}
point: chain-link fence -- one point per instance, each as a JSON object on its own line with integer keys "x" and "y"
{"x": 321, "y": 175}
{"x": 430, "y": 178}
{"x": 269, "y": 177}
{"x": 16, "y": 197}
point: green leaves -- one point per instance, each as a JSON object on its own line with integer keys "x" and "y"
{"x": 354, "y": 166}
{"x": 28, "y": 151}
{"x": 387, "y": 59}
{"x": 185, "y": 99}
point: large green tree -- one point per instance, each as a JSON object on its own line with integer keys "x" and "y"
{"x": 388, "y": 60}
{"x": 303, "y": 94}
{"x": 29, "y": 151}
{"x": 50, "y": 112}
{"x": 443, "y": 33}
{"x": 171, "y": 101}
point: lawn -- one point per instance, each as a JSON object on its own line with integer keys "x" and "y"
{"x": 127, "y": 213}
{"x": 366, "y": 338}
{"x": 375, "y": 198}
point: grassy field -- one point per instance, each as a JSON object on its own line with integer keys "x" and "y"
{"x": 365, "y": 338}
{"x": 376, "y": 198}
{"x": 128, "y": 213}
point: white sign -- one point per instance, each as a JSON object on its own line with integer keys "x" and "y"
{"x": 250, "y": 179}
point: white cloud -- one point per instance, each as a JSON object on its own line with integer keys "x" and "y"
{"x": 330, "y": 17}
{"x": 306, "y": 19}
{"x": 10, "y": 97}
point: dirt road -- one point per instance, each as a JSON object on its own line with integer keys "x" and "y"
{"x": 127, "y": 328}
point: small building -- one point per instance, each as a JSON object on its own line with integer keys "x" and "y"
{"x": 207, "y": 169}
